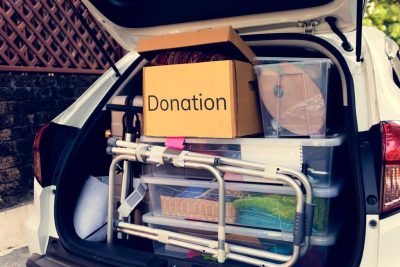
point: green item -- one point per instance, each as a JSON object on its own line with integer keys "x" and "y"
{"x": 208, "y": 257}
{"x": 277, "y": 205}
{"x": 284, "y": 207}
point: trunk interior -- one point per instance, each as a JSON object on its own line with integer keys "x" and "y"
{"x": 90, "y": 159}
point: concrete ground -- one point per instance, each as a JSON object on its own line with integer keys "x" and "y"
{"x": 14, "y": 258}
{"x": 13, "y": 249}
{"x": 12, "y": 226}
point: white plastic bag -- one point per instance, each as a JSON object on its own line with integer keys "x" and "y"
{"x": 90, "y": 215}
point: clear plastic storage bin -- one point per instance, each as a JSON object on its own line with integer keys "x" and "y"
{"x": 318, "y": 156}
{"x": 223, "y": 150}
{"x": 271, "y": 241}
{"x": 293, "y": 95}
{"x": 247, "y": 204}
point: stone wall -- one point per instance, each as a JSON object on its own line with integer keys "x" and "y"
{"x": 28, "y": 101}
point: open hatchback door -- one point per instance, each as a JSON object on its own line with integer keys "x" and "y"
{"x": 129, "y": 20}
{"x": 270, "y": 29}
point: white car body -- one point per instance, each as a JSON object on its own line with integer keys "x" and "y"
{"x": 377, "y": 99}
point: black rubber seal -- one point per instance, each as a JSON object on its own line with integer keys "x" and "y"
{"x": 309, "y": 211}
{"x": 298, "y": 231}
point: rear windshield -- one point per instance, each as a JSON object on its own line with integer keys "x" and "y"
{"x": 148, "y": 13}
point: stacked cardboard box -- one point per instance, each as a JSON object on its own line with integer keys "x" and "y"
{"x": 206, "y": 99}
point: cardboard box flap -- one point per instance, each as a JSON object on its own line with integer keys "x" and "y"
{"x": 224, "y": 41}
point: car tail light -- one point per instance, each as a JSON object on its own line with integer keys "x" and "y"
{"x": 37, "y": 168}
{"x": 391, "y": 166}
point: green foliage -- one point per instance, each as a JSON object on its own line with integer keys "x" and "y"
{"x": 385, "y": 15}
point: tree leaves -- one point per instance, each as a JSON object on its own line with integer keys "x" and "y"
{"x": 385, "y": 15}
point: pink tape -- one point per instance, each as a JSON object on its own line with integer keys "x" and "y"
{"x": 175, "y": 142}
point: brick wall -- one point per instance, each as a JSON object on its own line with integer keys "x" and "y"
{"x": 27, "y": 101}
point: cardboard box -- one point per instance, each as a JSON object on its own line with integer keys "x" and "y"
{"x": 220, "y": 40}
{"x": 209, "y": 99}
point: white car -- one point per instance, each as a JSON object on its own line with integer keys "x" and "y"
{"x": 363, "y": 103}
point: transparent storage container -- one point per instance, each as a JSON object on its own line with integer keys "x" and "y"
{"x": 293, "y": 95}
{"x": 320, "y": 157}
{"x": 247, "y": 204}
{"x": 223, "y": 150}
{"x": 271, "y": 241}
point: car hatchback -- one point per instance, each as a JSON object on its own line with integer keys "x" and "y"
{"x": 363, "y": 105}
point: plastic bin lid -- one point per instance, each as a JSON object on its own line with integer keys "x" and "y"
{"x": 329, "y": 141}
{"x": 328, "y": 240}
{"x": 323, "y": 192}
{"x": 304, "y": 63}
{"x": 272, "y": 60}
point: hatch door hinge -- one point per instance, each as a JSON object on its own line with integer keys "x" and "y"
{"x": 309, "y": 26}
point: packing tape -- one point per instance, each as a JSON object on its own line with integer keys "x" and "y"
{"x": 293, "y": 99}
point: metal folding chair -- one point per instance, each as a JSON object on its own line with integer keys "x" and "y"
{"x": 252, "y": 173}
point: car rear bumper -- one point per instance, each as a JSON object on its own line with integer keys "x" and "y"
{"x": 389, "y": 241}
{"x": 48, "y": 260}
{"x": 57, "y": 256}
{"x": 382, "y": 241}
{"x": 381, "y": 248}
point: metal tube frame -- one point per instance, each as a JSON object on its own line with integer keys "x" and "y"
{"x": 127, "y": 151}
{"x": 111, "y": 204}
{"x": 125, "y": 185}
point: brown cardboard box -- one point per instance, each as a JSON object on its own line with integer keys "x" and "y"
{"x": 210, "y": 99}
{"x": 221, "y": 40}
